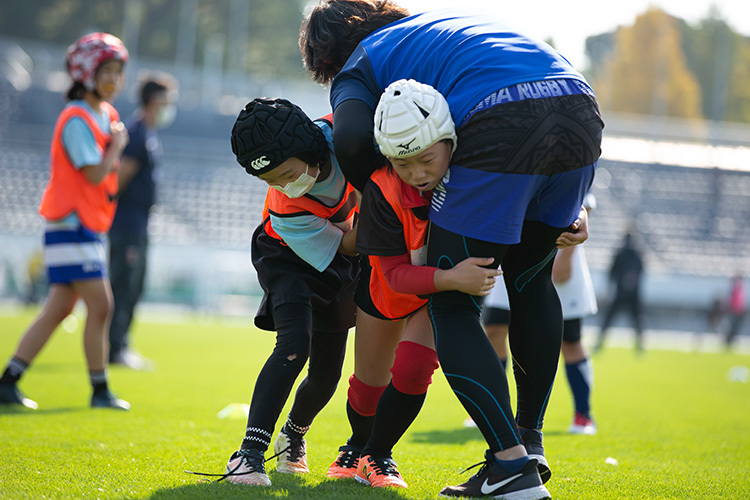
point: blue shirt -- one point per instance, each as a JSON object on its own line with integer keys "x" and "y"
{"x": 139, "y": 195}
{"x": 78, "y": 139}
{"x": 465, "y": 57}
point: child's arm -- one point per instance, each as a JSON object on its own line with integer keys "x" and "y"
{"x": 348, "y": 241}
{"x": 119, "y": 139}
{"x": 562, "y": 268}
{"x": 314, "y": 239}
{"x": 468, "y": 276}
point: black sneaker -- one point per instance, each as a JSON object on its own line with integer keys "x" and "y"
{"x": 105, "y": 399}
{"x": 247, "y": 467}
{"x": 532, "y": 440}
{"x": 492, "y": 481}
{"x": 10, "y": 394}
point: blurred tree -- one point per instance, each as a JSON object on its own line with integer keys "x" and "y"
{"x": 266, "y": 30}
{"x": 717, "y": 58}
{"x": 720, "y": 60}
{"x": 648, "y": 73}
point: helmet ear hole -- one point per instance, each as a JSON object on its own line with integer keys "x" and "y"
{"x": 410, "y": 118}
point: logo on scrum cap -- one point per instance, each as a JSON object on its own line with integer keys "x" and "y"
{"x": 259, "y": 163}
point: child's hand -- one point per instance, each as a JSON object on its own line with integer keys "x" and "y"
{"x": 468, "y": 276}
{"x": 119, "y": 137}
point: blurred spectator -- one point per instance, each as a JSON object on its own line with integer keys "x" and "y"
{"x": 736, "y": 308}
{"x": 128, "y": 237}
{"x": 625, "y": 276}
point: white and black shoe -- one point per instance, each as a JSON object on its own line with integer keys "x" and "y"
{"x": 292, "y": 453}
{"x": 532, "y": 441}
{"x": 247, "y": 467}
{"x": 493, "y": 481}
{"x": 10, "y": 394}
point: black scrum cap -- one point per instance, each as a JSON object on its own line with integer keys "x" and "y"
{"x": 270, "y": 131}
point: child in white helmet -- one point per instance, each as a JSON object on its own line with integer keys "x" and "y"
{"x": 394, "y": 349}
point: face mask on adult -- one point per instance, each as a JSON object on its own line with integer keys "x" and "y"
{"x": 299, "y": 186}
{"x": 165, "y": 116}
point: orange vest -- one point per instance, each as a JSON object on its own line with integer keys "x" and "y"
{"x": 341, "y": 214}
{"x": 68, "y": 190}
{"x": 390, "y": 303}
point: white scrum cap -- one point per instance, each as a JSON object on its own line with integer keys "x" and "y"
{"x": 411, "y": 117}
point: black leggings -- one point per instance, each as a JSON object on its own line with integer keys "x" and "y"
{"x": 295, "y": 343}
{"x": 535, "y": 331}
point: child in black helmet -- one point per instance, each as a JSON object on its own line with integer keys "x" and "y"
{"x": 303, "y": 252}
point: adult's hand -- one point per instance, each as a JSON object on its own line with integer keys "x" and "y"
{"x": 578, "y": 233}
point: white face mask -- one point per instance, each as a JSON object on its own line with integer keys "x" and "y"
{"x": 299, "y": 186}
{"x": 166, "y": 115}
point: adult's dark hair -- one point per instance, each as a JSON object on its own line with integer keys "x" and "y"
{"x": 154, "y": 83}
{"x": 334, "y": 28}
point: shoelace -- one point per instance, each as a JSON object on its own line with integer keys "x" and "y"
{"x": 295, "y": 448}
{"x": 244, "y": 459}
{"x": 347, "y": 459}
{"x": 484, "y": 465}
{"x": 384, "y": 467}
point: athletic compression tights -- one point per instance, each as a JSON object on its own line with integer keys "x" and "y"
{"x": 468, "y": 360}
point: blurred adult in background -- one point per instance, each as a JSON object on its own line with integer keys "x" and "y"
{"x": 78, "y": 206}
{"x": 736, "y": 308}
{"x": 625, "y": 276}
{"x": 128, "y": 237}
{"x": 572, "y": 279}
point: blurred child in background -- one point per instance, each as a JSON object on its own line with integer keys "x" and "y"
{"x": 78, "y": 206}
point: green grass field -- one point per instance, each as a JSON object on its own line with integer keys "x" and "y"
{"x": 676, "y": 426}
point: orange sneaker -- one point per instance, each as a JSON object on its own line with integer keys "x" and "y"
{"x": 379, "y": 472}
{"x": 345, "y": 466}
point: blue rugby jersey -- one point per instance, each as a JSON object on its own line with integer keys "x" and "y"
{"x": 465, "y": 57}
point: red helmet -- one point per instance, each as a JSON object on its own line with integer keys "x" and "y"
{"x": 87, "y": 54}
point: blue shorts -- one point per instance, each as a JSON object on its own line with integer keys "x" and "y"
{"x": 525, "y": 157}
{"x": 73, "y": 253}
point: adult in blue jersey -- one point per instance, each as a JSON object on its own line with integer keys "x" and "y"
{"x": 529, "y": 135}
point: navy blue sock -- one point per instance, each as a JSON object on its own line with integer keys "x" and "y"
{"x": 580, "y": 377}
{"x": 513, "y": 465}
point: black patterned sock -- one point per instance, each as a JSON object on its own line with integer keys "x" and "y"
{"x": 14, "y": 371}
{"x": 98, "y": 380}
